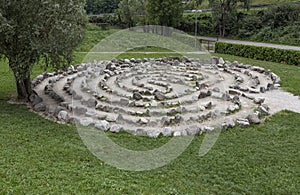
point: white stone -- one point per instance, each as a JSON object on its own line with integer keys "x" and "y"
{"x": 102, "y": 125}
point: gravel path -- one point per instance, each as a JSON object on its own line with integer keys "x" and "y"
{"x": 286, "y": 47}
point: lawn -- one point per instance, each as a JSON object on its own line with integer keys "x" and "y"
{"x": 41, "y": 157}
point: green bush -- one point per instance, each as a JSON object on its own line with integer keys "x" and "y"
{"x": 204, "y": 23}
{"x": 260, "y": 53}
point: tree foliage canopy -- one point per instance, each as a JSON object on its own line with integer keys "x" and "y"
{"x": 225, "y": 14}
{"x": 132, "y": 12}
{"x": 164, "y": 12}
{"x": 35, "y": 29}
{"x": 101, "y": 6}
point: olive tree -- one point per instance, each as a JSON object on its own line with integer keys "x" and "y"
{"x": 33, "y": 31}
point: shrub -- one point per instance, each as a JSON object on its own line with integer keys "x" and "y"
{"x": 260, "y": 53}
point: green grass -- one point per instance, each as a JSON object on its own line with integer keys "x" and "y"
{"x": 41, "y": 157}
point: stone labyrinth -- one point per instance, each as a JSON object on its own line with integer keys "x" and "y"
{"x": 152, "y": 97}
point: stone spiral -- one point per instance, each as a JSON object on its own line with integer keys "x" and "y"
{"x": 168, "y": 96}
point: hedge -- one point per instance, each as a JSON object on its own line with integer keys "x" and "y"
{"x": 291, "y": 57}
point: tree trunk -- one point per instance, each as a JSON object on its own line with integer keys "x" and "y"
{"x": 23, "y": 82}
{"x": 24, "y": 88}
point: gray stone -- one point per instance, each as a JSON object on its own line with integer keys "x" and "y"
{"x": 208, "y": 105}
{"x": 63, "y": 116}
{"x": 221, "y": 61}
{"x": 204, "y": 94}
{"x": 178, "y": 119}
{"x": 243, "y": 122}
{"x": 79, "y": 110}
{"x": 137, "y": 96}
{"x": 165, "y": 121}
{"x": 236, "y": 100}
{"x": 90, "y": 113}
{"x": 259, "y": 100}
{"x": 40, "y": 107}
{"x": 276, "y": 79}
{"x": 111, "y": 118}
{"x": 233, "y": 108}
{"x": 234, "y": 92}
{"x": 35, "y": 99}
{"x": 263, "y": 111}
{"x": 143, "y": 121}
{"x": 253, "y": 118}
{"x": 159, "y": 95}
{"x": 193, "y": 131}
{"x": 229, "y": 123}
{"x": 251, "y": 90}
{"x": 214, "y": 60}
{"x": 216, "y": 89}
{"x": 139, "y": 103}
{"x": 102, "y": 125}
{"x": 167, "y": 131}
{"x": 177, "y": 133}
{"x": 115, "y": 128}
{"x": 262, "y": 90}
{"x": 124, "y": 102}
{"x": 86, "y": 122}
{"x": 153, "y": 134}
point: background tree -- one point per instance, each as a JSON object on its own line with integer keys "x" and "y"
{"x": 101, "y": 6}
{"x": 164, "y": 12}
{"x": 132, "y": 12}
{"x": 31, "y": 30}
{"x": 225, "y": 14}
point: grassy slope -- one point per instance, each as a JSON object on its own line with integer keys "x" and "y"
{"x": 39, "y": 156}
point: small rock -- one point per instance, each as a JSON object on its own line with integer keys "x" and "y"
{"x": 40, "y": 107}
{"x": 79, "y": 110}
{"x": 234, "y": 92}
{"x": 154, "y": 103}
{"x": 262, "y": 90}
{"x": 115, "y": 128}
{"x": 204, "y": 94}
{"x": 177, "y": 134}
{"x": 153, "y": 134}
{"x": 124, "y": 102}
{"x": 159, "y": 95}
{"x": 86, "y": 122}
{"x": 243, "y": 122}
{"x": 178, "y": 119}
{"x": 165, "y": 121}
{"x": 221, "y": 61}
{"x": 102, "y": 125}
{"x": 193, "y": 131}
{"x": 143, "y": 121}
{"x": 259, "y": 100}
{"x": 208, "y": 105}
{"x": 229, "y": 123}
{"x": 137, "y": 96}
{"x": 167, "y": 131}
{"x": 263, "y": 111}
{"x": 253, "y": 118}
{"x": 63, "y": 116}
{"x": 35, "y": 99}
